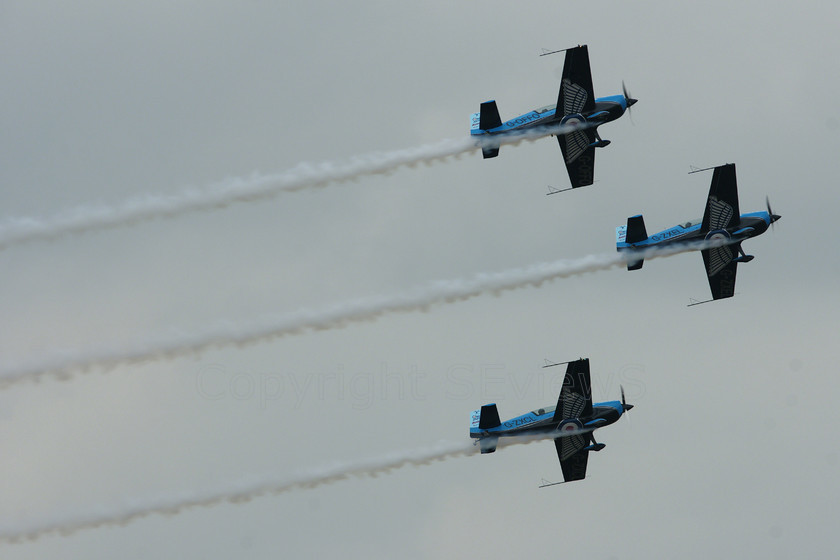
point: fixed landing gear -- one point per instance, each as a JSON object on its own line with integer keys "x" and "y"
{"x": 744, "y": 258}
{"x": 599, "y": 142}
{"x": 595, "y": 445}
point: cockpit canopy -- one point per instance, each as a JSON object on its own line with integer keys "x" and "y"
{"x": 542, "y": 411}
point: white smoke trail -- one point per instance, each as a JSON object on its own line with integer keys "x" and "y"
{"x": 333, "y": 317}
{"x": 219, "y": 195}
{"x": 244, "y": 490}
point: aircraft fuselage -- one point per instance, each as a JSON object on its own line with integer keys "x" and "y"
{"x": 606, "y": 109}
{"x": 750, "y": 225}
{"x": 541, "y": 421}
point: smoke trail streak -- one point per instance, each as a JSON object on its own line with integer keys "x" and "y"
{"x": 219, "y": 195}
{"x": 333, "y": 317}
{"x": 245, "y": 490}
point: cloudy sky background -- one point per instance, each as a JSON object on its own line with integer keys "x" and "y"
{"x": 732, "y": 446}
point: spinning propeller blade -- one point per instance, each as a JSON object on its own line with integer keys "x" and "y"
{"x": 773, "y": 217}
{"x": 630, "y": 100}
{"x": 624, "y": 404}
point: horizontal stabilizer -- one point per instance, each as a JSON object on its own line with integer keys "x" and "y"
{"x": 489, "y": 116}
{"x": 636, "y": 229}
{"x": 635, "y": 232}
{"x": 488, "y": 444}
{"x": 635, "y": 265}
{"x": 489, "y": 417}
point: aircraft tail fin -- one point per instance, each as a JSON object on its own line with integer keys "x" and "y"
{"x": 489, "y": 118}
{"x": 485, "y": 419}
{"x": 635, "y": 232}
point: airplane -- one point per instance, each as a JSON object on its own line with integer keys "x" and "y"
{"x": 722, "y": 222}
{"x": 576, "y": 105}
{"x": 570, "y": 424}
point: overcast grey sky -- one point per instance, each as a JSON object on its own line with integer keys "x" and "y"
{"x": 731, "y": 449}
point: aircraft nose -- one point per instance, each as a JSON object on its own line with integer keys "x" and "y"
{"x": 627, "y": 407}
{"x": 631, "y": 101}
{"x": 775, "y": 218}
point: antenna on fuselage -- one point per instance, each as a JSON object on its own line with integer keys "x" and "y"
{"x": 695, "y": 302}
{"x": 546, "y": 483}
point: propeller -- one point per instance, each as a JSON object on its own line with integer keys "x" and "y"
{"x": 630, "y": 100}
{"x": 773, "y": 217}
{"x": 624, "y": 404}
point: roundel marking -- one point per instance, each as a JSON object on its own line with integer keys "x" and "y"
{"x": 570, "y": 426}
{"x": 718, "y": 235}
{"x": 573, "y": 119}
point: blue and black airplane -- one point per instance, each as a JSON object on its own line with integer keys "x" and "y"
{"x": 576, "y": 105}
{"x": 571, "y": 423}
{"x": 722, "y": 222}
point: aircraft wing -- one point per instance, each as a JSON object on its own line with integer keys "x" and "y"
{"x": 579, "y": 156}
{"x": 576, "y": 93}
{"x": 721, "y": 269}
{"x": 577, "y": 97}
{"x": 575, "y": 401}
{"x": 575, "y": 398}
{"x": 574, "y": 466}
{"x": 722, "y": 205}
